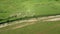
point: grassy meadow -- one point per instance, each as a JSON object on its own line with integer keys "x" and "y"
{"x": 12, "y": 10}
{"x": 24, "y": 8}
{"x": 15, "y": 9}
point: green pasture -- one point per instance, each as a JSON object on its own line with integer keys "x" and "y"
{"x": 10, "y": 8}
{"x": 15, "y": 9}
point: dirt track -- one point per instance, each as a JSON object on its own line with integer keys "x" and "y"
{"x": 31, "y": 21}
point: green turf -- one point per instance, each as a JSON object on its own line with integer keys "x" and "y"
{"x": 28, "y": 7}
{"x": 38, "y": 28}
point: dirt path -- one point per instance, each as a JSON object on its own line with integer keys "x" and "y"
{"x": 54, "y": 19}
{"x": 31, "y": 21}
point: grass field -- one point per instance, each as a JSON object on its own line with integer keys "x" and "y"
{"x": 12, "y": 11}
{"x": 15, "y": 9}
{"x": 10, "y": 8}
